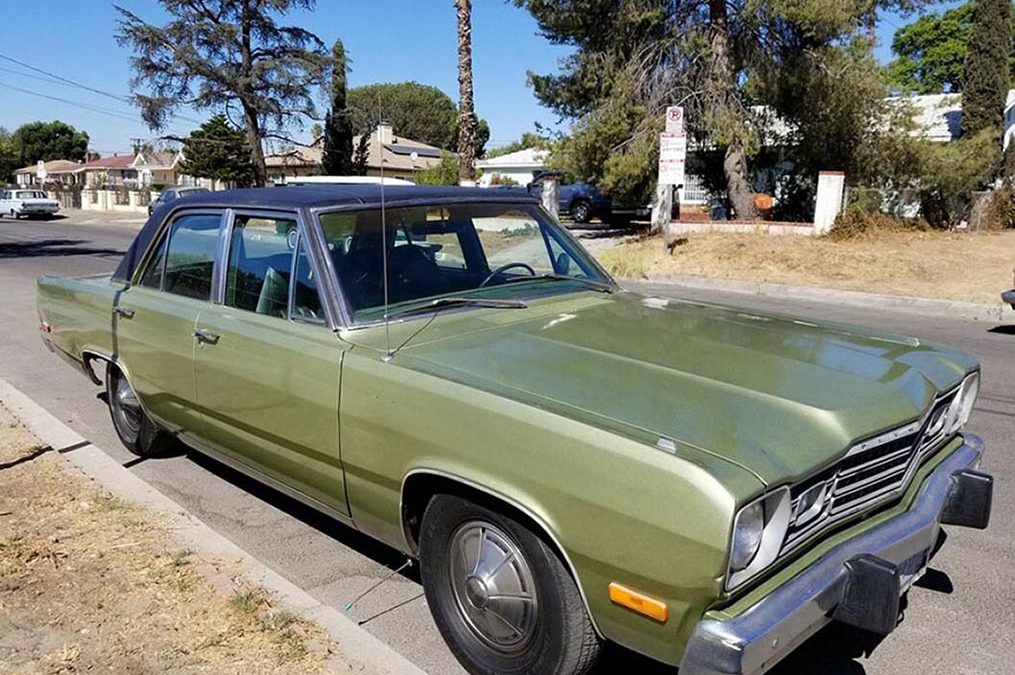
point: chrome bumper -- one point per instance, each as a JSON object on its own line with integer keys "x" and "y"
{"x": 1009, "y": 297}
{"x": 760, "y": 637}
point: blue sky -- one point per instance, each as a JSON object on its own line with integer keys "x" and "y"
{"x": 387, "y": 41}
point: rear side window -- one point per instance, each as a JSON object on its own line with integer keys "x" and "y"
{"x": 260, "y": 263}
{"x": 189, "y": 259}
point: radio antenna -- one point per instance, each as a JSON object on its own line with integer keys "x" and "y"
{"x": 388, "y": 354}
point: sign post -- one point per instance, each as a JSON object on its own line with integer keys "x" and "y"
{"x": 672, "y": 163}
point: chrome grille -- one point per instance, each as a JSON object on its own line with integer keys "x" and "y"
{"x": 871, "y": 472}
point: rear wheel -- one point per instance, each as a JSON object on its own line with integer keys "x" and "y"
{"x": 581, "y": 211}
{"x": 502, "y": 599}
{"x": 134, "y": 428}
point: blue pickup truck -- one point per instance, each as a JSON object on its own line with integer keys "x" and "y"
{"x": 579, "y": 200}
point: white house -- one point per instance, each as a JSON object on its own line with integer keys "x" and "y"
{"x": 520, "y": 166}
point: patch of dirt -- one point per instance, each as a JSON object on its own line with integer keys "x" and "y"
{"x": 970, "y": 267}
{"x": 89, "y": 583}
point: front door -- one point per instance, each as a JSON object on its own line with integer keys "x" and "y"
{"x": 154, "y": 319}
{"x": 268, "y": 366}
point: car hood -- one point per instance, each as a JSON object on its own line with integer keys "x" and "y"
{"x": 778, "y": 396}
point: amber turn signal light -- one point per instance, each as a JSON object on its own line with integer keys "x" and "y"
{"x": 639, "y": 602}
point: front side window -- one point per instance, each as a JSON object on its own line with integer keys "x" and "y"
{"x": 190, "y": 256}
{"x": 260, "y": 262}
{"x": 479, "y": 250}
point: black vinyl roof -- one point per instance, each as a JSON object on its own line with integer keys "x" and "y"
{"x": 317, "y": 196}
{"x": 314, "y": 196}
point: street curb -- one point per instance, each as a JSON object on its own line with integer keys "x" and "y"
{"x": 950, "y": 309}
{"x": 353, "y": 641}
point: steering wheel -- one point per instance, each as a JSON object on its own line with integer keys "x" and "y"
{"x": 505, "y": 268}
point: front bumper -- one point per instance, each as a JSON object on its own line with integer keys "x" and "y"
{"x": 761, "y": 636}
{"x": 1009, "y": 297}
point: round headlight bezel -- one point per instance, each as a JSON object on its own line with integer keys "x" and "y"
{"x": 962, "y": 407}
{"x": 775, "y": 507}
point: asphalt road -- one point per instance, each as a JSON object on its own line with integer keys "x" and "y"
{"x": 959, "y": 618}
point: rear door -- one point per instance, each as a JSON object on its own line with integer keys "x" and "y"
{"x": 268, "y": 366}
{"x": 154, "y": 319}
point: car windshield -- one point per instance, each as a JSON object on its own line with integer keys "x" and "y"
{"x": 498, "y": 251}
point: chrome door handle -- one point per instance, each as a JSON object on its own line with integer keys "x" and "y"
{"x": 204, "y": 335}
{"x": 123, "y": 311}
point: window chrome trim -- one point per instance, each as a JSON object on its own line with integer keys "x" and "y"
{"x": 178, "y": 212}
{"x": 347, "y": 323}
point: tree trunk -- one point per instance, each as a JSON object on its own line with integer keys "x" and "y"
{"x": 466, "y": 117}
{"x": 253, "y": 132}
{"x": 722, "y": 82}
{"x": 260, "y": 171}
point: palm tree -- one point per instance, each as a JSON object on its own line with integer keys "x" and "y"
{"x": 466, "y": 117}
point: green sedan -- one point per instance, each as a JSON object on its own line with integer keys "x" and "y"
{"x": 446, "y": 370}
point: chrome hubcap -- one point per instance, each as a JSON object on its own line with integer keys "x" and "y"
{"x": 126, "y": 407}
{"x": 493, "y": 586}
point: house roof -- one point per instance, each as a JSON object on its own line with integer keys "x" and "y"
{"x": 54, "y": 166}
{"x": 529, "y": 158}
{"x": 397, "y": 155}
{"x": 157, "y": 160}
{"x": 114, "y": 162}
{"x": 936, "y": 117}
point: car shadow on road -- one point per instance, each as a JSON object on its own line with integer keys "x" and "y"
{"x": 330, "y": 527}
{"x": 1003, "y": 329}
{"x": 53, "y": 248}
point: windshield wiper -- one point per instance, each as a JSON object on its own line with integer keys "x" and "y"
{"x": 601, "y": 286}
{"x": 440, "y": 303}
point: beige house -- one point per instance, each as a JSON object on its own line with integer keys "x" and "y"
{"x": 63, "y": 171}
{"x": 401, "y": 157}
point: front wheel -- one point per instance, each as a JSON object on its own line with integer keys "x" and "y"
{"x": 501, "y": 598}
{"x": 134, "y": 428}
{"x": 581, "y": 212}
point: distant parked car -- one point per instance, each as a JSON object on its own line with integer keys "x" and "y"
{"x": 171, "y": 194}
{"x": 580, "y": 200}
{"x": 1009, "y": 296}
{"x": 28, "y": 203}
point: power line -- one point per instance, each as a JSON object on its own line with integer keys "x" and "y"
{"x": 85, "y": 106}
{"x": 59, "y": 79}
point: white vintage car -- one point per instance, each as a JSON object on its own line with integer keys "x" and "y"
{"x": 22, "y": 202}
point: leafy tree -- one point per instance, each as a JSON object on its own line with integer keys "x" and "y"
{"x": 931, "y": 52}
{"x": 44, "y": 141}
{"x": 528, "y": 139}
{"x": 338, "y": 152}
{"x": 443, "y": 173}
{"x": 418, "y": 111}
{"x": 10, "y": 159}
{"x": 466, "y": 118}
{"x": 219, "y": 151}
{"x": 987, "y": 71}
{"x": 213, "y": 54}
{"x": 634, "y": 57}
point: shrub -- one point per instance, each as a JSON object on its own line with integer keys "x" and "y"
{"x": 859, "y": 221}
{"x": 1001, "y": 208}
{"x": 444, "y": 173}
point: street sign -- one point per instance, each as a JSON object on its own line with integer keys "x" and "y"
{"x": 672, "y": 159}
{"x": 675, "y": 120}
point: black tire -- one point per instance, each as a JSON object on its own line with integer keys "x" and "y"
{"x": 581, "y": 211}
{"x": 133, "y": 427}
{"x": 549, "y": 633}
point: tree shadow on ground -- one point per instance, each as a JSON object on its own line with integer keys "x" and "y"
{"x": 53, "y": 248}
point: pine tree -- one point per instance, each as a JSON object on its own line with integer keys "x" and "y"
{"x": 986, "y": 73}
{"x": 338, "y": 151}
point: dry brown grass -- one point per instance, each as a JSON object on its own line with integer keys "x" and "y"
{"x": 973, "y": 267}
{"x": 89, "y": 583}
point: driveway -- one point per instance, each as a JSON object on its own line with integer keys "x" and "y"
{"x": 959, "y": 618}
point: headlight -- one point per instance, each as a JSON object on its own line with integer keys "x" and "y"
{"x": 962, "y": 406}
{"x": 758, "y": 532}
